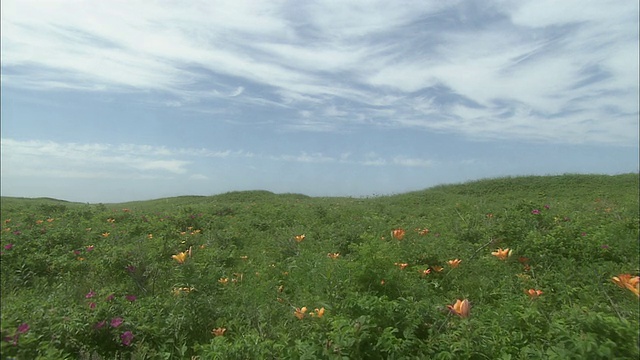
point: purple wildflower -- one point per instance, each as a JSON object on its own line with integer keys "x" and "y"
{"x": 535, "y": 211}
{"x": 126, "y": 338}
{"x": 115, "y": 322}
{"x": 92, "y": 305}
{"x": 12, "y": 339}
{"x": 131, "y": 298}
{"x": 90, "y": 294}
{"x": 100, "y": 325}
{"x": 8, "y": 246}
{"x": 23, "y": 328}
{"x": 111, "y": 297}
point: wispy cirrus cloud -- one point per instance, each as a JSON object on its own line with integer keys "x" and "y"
{"x": 563, "y": 72}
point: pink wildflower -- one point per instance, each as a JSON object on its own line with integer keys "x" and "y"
{"x": 126, "y": 338}
{"x": 115, "y": 322}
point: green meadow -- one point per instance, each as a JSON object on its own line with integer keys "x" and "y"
{"x": 508, "y": 268}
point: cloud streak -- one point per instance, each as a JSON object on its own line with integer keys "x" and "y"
{"x": 129, "y": 161}
{"x": 531, "y": 70}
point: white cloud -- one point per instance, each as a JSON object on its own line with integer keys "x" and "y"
{"x": 48, "y": 159}
{"x": 305, "y": 158}
{"x": 173, "y": 166}
{"x": 237, "y": 91}
{"x": 71, "y": 160}
{"x": 412, "y": 162}
{"x": 455, "y": 66}
{"x": 545, "y": 13}
{"x": 198, "y": 177}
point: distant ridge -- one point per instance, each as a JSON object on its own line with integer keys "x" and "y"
{"x": 477, "y": 187}
{"x": 38, "y": 199}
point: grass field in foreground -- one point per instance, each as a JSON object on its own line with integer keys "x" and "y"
{"x": 508, "y": 268}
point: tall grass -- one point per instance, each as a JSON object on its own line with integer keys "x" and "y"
{"x": 103, "y": 281}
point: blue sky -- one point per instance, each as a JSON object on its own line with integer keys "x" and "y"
{"x": 134, "y": 100}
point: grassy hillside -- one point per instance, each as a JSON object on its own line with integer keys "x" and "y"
{"x": 259, "y": 275}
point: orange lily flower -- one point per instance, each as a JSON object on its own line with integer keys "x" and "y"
{"x": 437, "y": 268}
{"x": 426, "y": 272}
{"x": 628, "y": 282}
{"x": 111, "y": 220}
{"x": 180, "y": 257}
{"x": 150, "y": 236}
{"x": 178, "y": 291}
{"x": 299, "y": 313}
{"x": 502, "y": 254}
{"x": 454, "y": 263}
{"x": 299, "y": 238}
{"x": 237, "y": 277}
{"x": 223, "y": 280}
{"x": 218, "y": 332}
{"x": 317, "y": 313}
{"x": 105, "y": 234}
{"x": 398, "y": 234}
{"x": 401, "y": 265}
{"x": 460, "y": 308}
{"x": 534, "y": 294}
{"x": 333, "y": 255}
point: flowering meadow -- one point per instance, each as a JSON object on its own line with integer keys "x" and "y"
{"x": 508, "y": 268}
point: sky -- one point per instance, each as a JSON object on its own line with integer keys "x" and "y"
{"x": 113, "y": 101}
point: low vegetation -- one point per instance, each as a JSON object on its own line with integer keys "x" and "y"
{"x": 509, "y": 268}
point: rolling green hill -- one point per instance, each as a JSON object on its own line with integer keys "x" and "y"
{"x": 507, "y": 268}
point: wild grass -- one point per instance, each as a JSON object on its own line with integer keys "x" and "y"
{"x": 104, "y": 281}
